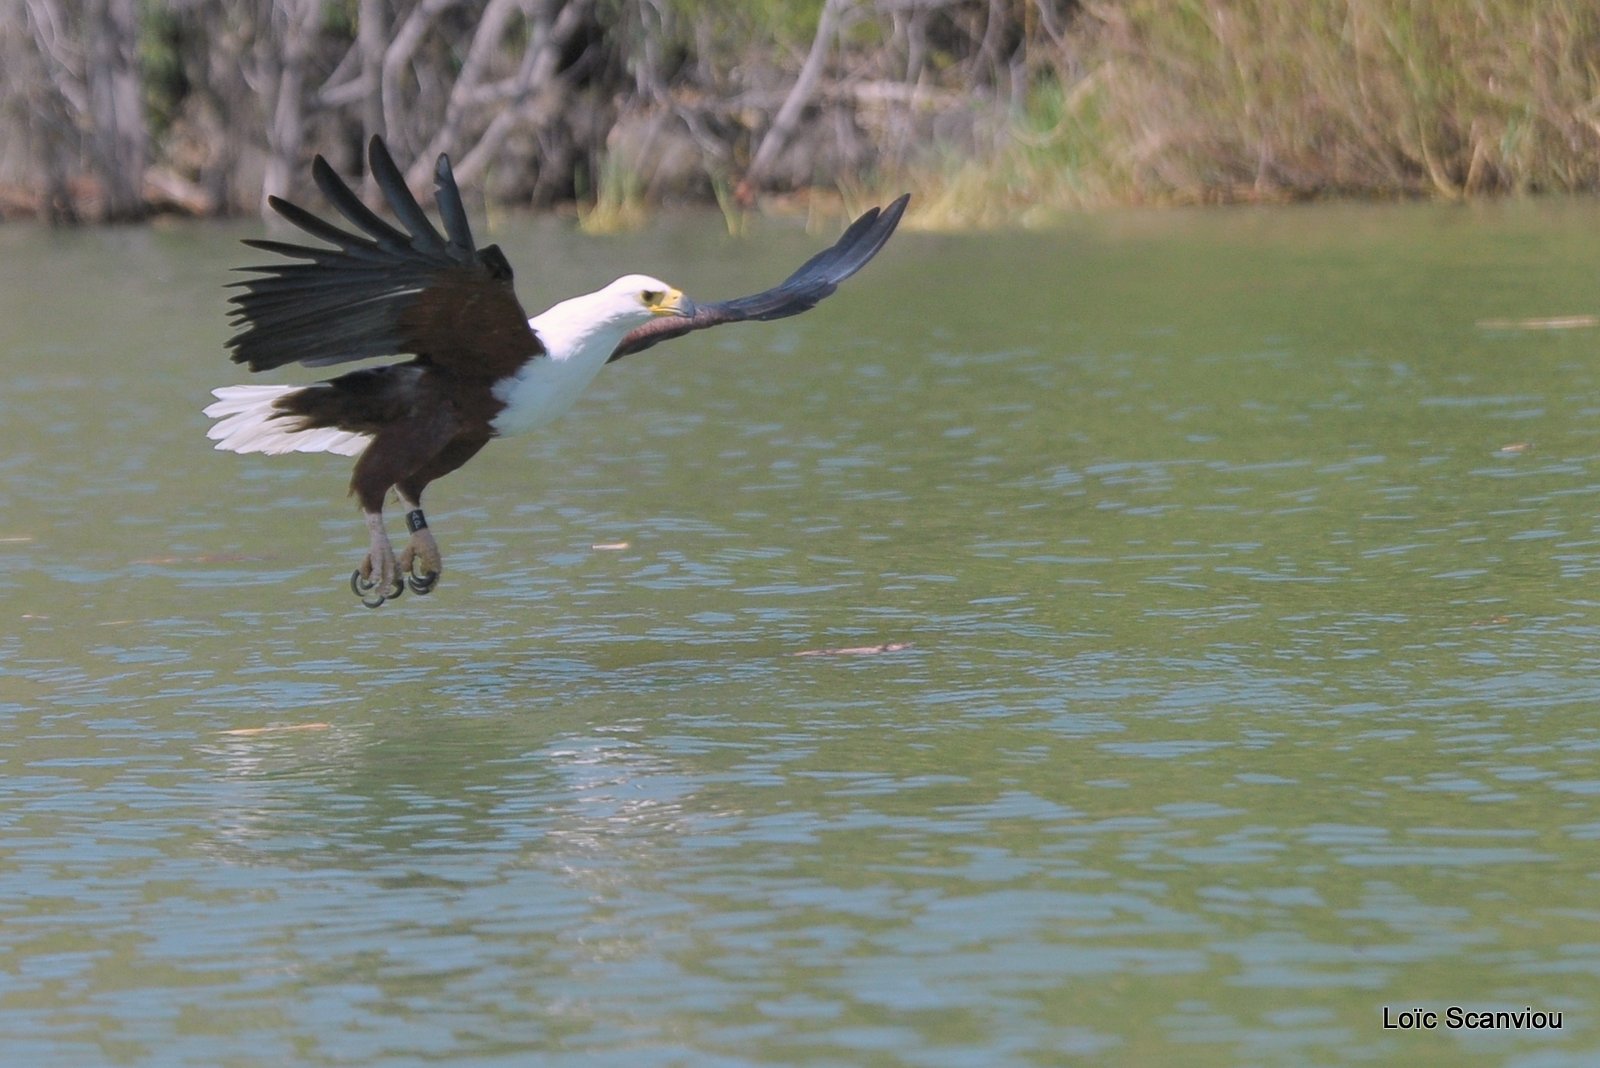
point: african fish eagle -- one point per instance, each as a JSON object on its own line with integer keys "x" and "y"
{"x": 479, "y": 367}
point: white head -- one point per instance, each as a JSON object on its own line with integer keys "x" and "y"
{"x": 601, "y": 318}
{"x": 640, "y": 293}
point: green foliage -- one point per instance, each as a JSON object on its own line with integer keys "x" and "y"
{"x": 161, "y": 44}
{"x": 735, "y": 24}
{"x": 339, "y": 19}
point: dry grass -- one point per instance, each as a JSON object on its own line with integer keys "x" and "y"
{"x": 1046, "y": 159}
{"x": 1218, "y": 100}
{"x": 1207, "y": 99}
{"x": 619, "y": 203}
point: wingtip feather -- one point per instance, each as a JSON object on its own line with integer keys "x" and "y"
{"x": 392, "y": 184}
{"x": 447, "y": 197}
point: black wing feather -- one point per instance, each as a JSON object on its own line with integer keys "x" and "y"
{"x": 451, "y": 210}
{"x": 344, "y": 259}
{"x": 382, "y": 291}
{"x": 814, "y": 280}
{"x": 320, "y": 229}
{"x": 392, "y": 184}
{"x": 348, "y": 204}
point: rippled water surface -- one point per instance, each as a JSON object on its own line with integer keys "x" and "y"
{"x": 1221, "y": 592}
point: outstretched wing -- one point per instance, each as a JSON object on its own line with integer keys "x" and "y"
{"x": 382, "y": 291}
{"x": 816, "y": 278}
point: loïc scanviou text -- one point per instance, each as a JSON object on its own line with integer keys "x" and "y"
{"x": 1455, "y": 1018}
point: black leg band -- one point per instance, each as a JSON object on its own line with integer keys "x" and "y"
{"x": 415, "y": 520}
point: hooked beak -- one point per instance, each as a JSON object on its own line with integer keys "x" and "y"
{"x": 675, "y": 304}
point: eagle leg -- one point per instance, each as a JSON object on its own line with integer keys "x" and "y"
{"x": 420, "y": 561}
{"x": 403, "y": 445}
{"x": 378, "y": 578}
{"x": 422, "y": 550}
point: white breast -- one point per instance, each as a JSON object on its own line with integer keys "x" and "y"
{"x": 579, "y": 336}
{"x": 545, "y": 388}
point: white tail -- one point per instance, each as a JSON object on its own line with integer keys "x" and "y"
{"x": 247, "y": 421}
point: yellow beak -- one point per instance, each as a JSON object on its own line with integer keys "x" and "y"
{"x": 673, "y": 303}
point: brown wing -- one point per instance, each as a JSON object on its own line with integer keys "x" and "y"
{"x": 382, "y": 291}
{"x": 817, "y": 278}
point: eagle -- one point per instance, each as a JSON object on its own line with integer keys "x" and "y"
{"x": 479, "y": 367}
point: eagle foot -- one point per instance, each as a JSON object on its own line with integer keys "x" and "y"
{"x": 367, "y": 589}
{"x": 379, "y": 578}
{"x": 420, "y": 562}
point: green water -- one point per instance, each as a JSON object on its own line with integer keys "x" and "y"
{"x": 1236, "y": 584}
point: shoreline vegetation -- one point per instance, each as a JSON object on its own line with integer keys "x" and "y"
{"x": 991, "y": 112}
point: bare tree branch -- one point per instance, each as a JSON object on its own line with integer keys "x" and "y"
{"x": 370, "y": 27}
{"x": 397, "y": 59}
{"x": 287, "y": 129}
{"x": 485, "y": 42}
{"x": 196, "y": 105}
{"x": 805, "y": 84}
{"x": 116, "y": 105}
{"x": 63, "y": 57}
{"x": 539, "y": 70}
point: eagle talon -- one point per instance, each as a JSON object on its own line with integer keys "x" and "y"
{"x": 365, "y": 589}
{"x": 419, "y": 561}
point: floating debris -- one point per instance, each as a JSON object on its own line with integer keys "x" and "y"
{"x": 205, "y": 558}
{"x": 1513, "y": 448}
{"x": 1553, "y": 322}
{"x": 281, "y": 728}
{"x": 857, "y": 650}
{"x": 609, "y": 546}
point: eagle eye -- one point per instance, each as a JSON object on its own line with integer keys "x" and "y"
{"x": 651, "y": 297}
